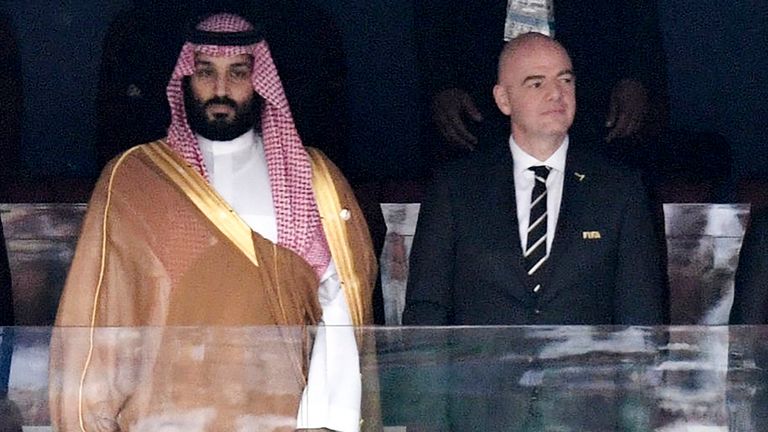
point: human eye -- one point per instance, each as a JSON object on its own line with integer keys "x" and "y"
{"x": 534, "y": 84}
{"x": 204, "y": 72}
{"x": 240, "y": 74}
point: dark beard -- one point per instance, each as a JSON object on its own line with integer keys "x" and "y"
{"x": 247, "y": 116}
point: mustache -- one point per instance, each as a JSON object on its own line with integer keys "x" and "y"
{"x": 220, "y": 100}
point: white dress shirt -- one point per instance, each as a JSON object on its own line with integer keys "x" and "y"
{"x": 524, "y": 182}
{"x": 238, "y": 171}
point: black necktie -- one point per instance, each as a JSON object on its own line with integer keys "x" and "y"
{"x": 535, "y": 253}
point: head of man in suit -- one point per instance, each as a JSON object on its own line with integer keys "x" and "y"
{"x": 536, "y": 89}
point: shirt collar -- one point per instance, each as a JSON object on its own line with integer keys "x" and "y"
{"x": 522, "y": 160}
{"x": 239, "y": 144}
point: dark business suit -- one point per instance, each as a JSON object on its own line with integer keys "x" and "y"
{"x": 6, "y": 291}
{"x": 9, "y": 412}
{"x": 466, "y": 266}
{"x": 750, "y": 307}
{"x": 750, "y": 302}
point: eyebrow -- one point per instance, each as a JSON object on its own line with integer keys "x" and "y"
{"x": 238, "y": 64}
{"x": 202, "y": 62}
{"x": 533, "y": 78}
{"x": 541, "y": 77}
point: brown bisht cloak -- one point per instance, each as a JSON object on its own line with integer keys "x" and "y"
{"x": 176, "y": 316}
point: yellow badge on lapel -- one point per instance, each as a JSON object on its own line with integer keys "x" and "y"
{"x": 591, "y": 235}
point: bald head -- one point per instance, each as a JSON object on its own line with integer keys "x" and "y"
{"x": 536, "y": 89}
{"x": 526, "y": 42}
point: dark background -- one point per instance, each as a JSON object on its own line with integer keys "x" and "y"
{"x": 717, "y": 54}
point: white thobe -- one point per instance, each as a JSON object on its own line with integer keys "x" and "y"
{"x": 237, "y": 169}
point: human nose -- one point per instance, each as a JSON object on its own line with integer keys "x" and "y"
{"x": 555, "y": 91}
{"x": 221, "y": 85}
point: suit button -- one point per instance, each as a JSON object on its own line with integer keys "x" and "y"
{"x": 537, "y": 312}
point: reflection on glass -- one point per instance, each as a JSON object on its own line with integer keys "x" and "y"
{"x": 485, "y": 378}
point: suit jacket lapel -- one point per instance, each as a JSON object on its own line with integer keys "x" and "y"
{"x": 561, "y": 254}
{"x": 502, "y": 202}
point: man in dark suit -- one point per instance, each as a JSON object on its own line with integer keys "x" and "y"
{"x": 543, "y": 234}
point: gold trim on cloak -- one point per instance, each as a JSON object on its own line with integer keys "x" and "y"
{"x": 338, "y": 213}
{"x": 102, "y": 268}
{"x": 204, "y": 197}
{"x": 216, "y": 209}
{"x": 331, "y": 204}
{"x": 352, "y": 249}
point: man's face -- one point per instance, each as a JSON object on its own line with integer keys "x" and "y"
{"x": 220, "y": 100}
{"x": 536, "y": 88}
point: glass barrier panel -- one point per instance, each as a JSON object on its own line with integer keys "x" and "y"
{"x": 573, "y": 378}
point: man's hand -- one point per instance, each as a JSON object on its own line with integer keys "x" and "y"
{"x": 449, "y": 109}
{"x": 627, "y": 109}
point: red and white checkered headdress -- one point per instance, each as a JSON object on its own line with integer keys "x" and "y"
{"x": 298, "y": 221}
